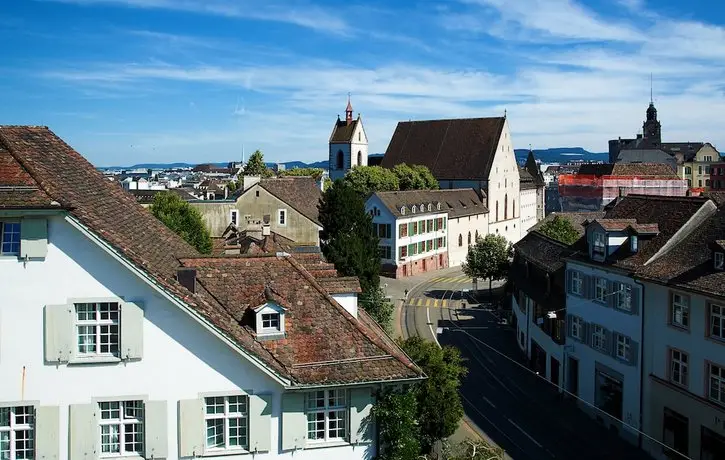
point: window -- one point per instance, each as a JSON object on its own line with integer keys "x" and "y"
{"x": 460, "y": 240}
{"x": 385, "y": 252}
{"x": 234, "y": 216}
{"x": 412, "y": 249}
{"x": 496, "y": 210}
{"x": 226, "y": 420}
{"x": 678, "y": 367}
{"x": 415, "y": 228}
{"x": 257, "y": 193}
{"x": 506, "y": 206}
{"x": 599, "y": 337}
{"x": 680, "y": 311}
{"x": 402, "y": 252}
{"x": 716, "y": 389}
{"x": 270, "y": 321}
{"x": 623, "y": 297}
{"x": 712, "y": 445}
{"x": 402, "y": 210}
{"x": 97, "y": 328}
{"x": 719, "y": 260}
{"x": 577, "y": 328}
{"x": 430, "y": 207}
{"x": 576, "y": 283}
{"x": 699, "y": 170}
{"x": 624, "y": 345}
{"x": 699, "y": 183}
{"x": 513, "y": 208}
{"x": 326, "y": 415}
{"x": 403, "y": 230}
{"x": 340, "y": 163}
{"x": 413, "y": 209}
{"x": 384, "y": 231}
{"x": 708, "y": 158}
{"x": 717, "y": 321}
{"x": 689, "y": 182}
{"x": 707, "y": 169}
{"x": 10, "y": 238}
{"x": 633, "y": 243}
{"x": 688, "y": 170}
{"x": 121, "y": 428}
{"x": 17, "y": 439}
{"x": 421, "y": 247}
{"x": 600, "y": 244}
{"x": 438, "y": 206}
{"x": 359, "y": 158}
{"x": 429, "y": 245}
{"x": 476, "y": 235}
{"x": 282, "y": 217}
{"x": 430, "y": 224}
{"x": 707, "y": 182}
{"x": 600, "y": 289}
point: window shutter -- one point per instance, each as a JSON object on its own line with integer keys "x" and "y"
{"x": 34, "y": 238}
{"x": 131, "y": 330}
{"x": 58, "y": 333}
{"x": 568, "y": 281}
{"x": 191, "y": 428}
{"x": 635, "y": 301}
{"x": 633, "y": 357}
{"x": 587, "y": 328}
{"x": 294, "y": 421}
{"x": 156, "y": 430}
{"x": 47, "y": 433}
{"x": 361, "y": 424}
{"x": 611, "y": 296}
{"x": 588, "y": 287}
{"x": 84, "y": 436}
{"x": 569, "y": 325}
{"x": 609, "y": 343}
{"x": 260, "y": 423}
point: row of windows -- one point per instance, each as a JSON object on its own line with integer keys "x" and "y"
{"x": 340, "y": 160}
{"x": 421, "y": 247}
{"x": 611, "y": 293}
{"x": 422, "y": 208}
{"x": 679, "y": 316}
{"x": 383, "y": 230}
{"x": 422, "y": 226}
{"x": 506, "y": 208}
{"x": 601, "y": 339}
{"x": 470, "y": 241}
{"x": 678, "y": 373}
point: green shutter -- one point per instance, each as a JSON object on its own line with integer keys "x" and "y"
{"x": 191, "y": 428}
{"x": 156, "y": 429}
{"x": 294, "y": 421}
{"x": 47, "y": 432}
{"x": 83, "y": 437}
{"x": 131, "y": 330}
{"x": 59, "y": 334}
{"x": 34, "y": 238}
{"x": 361, "y": 423}
{"x": 260, "y": 423}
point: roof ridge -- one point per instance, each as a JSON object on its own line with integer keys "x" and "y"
{"x": 452, "y": 119}
{"x": 4, "y": 141}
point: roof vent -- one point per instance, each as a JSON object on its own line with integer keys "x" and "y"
{"x": 283, "y": 254}
{"x": 187, "y": 278}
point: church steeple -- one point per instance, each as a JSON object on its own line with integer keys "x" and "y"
{"x": 348, "y": 111}
{"x": 652, "y": 129}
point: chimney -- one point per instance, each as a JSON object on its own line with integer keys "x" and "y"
{"x": 265, "y": 230}
{"x": 187, "y": 278}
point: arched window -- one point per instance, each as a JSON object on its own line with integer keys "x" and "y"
{"x": 476, "y": 235}
{"x": 506, "y": 206}
{"x": 496, "y": 210}
{"x": 402, "y": 211}
{"x": 469, "y": 238}
{"x": 513, "y": 208}
{"x": 359, "y": 158}
{"x": 460, "y": 240}
{"x": 413, "y": 209}
{"x": 340, "y": 161}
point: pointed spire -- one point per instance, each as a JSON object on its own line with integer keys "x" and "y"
{"x": 348, "y": 110}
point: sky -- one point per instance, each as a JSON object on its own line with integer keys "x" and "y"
{"x": 131, "y": 81}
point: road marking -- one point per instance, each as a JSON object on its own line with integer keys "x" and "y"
{"x": 430, "y": 326}
{"x": 419, "y": 302}
{"x": 435, "y": 303}
{"x": 444, "y": 303}
{"x": 489, "y": 402}
{"x": 427, "y": 302}
{"x": 525, "y": 433}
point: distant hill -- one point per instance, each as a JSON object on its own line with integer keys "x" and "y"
{"x": 561, "y": 155}
{"x": 287, "y": 165}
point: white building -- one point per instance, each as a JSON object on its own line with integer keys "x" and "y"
{"x": 136, "y": 348}
{"x": 532, "y": 188}
{"x": 348, "y": 145}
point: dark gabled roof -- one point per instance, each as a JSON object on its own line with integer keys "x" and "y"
{"x": 458, "y": 202}
{"x": 547, "y": 253}
{"x": 147, "y": 196}
{"x": 452, "y": 149}
{"x": 342, "y": 132}
{"x": 659, "y": 170}
{"x": 577, "y": 219}
{"x": 645, "y": 156}
{"x": 323, "y": 343}
{"x": 301, "y": 193}
{"x": 688, "y": 150}
{"x": 526, "y": 181}
{"x": 533, "y": 169}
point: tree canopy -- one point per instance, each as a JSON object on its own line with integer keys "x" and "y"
{"x": 315, "y": 173}
{"x": 183, "y": 219}
{"x": 397, "y": 413}
{"x": 256, "y": 167}
{"x": 488, "y": 258}
{"x": 368, "y": 179}
{"x": 415, "y": 177}
{"x": 439, "y": 403}
{"x": 347, "y": 239}
{"x": 560, "y": 229}
{"x": 378, "y": 307}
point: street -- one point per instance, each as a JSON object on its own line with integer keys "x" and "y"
{"x": 515, "y": 408}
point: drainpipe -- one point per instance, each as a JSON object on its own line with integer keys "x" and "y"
{"x": 641, "y": 365}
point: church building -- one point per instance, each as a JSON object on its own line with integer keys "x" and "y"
{"x": 348, "y": 144}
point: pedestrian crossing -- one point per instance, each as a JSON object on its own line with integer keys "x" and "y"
{"x": 433, "y": 303}
{"x": 451, "y": 279}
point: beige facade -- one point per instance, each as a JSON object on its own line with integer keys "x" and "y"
{"x": 697, "y": 171}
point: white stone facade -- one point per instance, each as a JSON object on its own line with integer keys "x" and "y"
{"x": 529, "y": 209}
{"x": 459, "y": 229}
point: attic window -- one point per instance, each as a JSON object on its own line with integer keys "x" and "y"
{"x": 270, "y": 320}
{"x": 430, "y": 207}
{"x": 402, "y": 210}
{"x": 633, "y": 243}
{"x": 719, "y": 260}
{"x": 422, "y": 207}
{"x": 438, "y": 206}
{"x": 413, "y": 209}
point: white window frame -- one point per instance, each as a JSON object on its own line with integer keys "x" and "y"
{"x": 599, "y": 243}
{"x": 98, "y": 334}
{"x": 678, "y": 366}
{"x": 600, "y": 289}
{"x": 282, "y": 217}
{"x": 328, "y": 410}
{"x": 577, "y": 280}
{"x": 623, "y": 297}
{"x": 268, "y": 321}
{"x": 716, "y": 381}
{"x": 623, "y": 346}
{"x": 599, "y": 337}
{"x": 680, "y": 311}
{"x": 122, "y": 424}
{"x": 577, "y": 328}
{"x": 718, "y": 260}
{"x": 269, "y": 308}
{"x": 226, "y": 417}
{"x": 14, "y": 429}
{"x": 13, "y": 238}
{"x": 234, "y": 216}
{"x": 633, "y": 243}
{"x": 716, "y": 321}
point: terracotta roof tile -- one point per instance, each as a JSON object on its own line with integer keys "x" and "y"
{"x": 660, "y": 170}
{"x": 459, "y": 202}
{"x": 340, "y": 285}
{"x": 17, "y": 187}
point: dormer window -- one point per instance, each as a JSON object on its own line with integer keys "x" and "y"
{"x": 719, "y": 260}
{"x": 599, "y": 245}
{"x": 633, "y": 243}
{"x": 438, "y": 206}
{"x": 402, "y": 210}
{"x": 430, "y": 208}
{"x": 269, "y": 320}
{"x": 413, "y": 209}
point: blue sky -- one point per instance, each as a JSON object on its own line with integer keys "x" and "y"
{"x": 127, "y": 81}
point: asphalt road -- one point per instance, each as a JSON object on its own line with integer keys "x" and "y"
{"x": 515, "y": 408}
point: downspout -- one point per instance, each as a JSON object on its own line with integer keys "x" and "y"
{"x": 641, "y": 366}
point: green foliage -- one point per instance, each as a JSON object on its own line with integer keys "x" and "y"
{"x": 347, "y": 239}
{"x": 315, "y": 173}
{"x": 560, "y": 229}
{"x": 398, "y": 433}
{"x": 232, "y": 186}
{"x": 415, "y": 177}
{"x": 377, "y": 306}
{"x": 183, "y": 219}
{"x": 472, "y": 450}
{"x": 368, "y": 179}
{"x": 488, "y": 258}
{"x": 439, "y": 402}
{"x": 256, "y": 167}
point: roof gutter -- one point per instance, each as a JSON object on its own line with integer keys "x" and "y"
{"x": 303, "y": 387}
{"x": 173, "y": 299}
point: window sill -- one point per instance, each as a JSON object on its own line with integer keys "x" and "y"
{"x": 323, "y": 444}
{"x": 677, "y": 327}
{"x": 124, "y": 457}
{"x": 224, "y": 452}
{"x": 94, "y": 360}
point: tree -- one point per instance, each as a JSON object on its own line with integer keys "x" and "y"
{"x": 490, "y": 258}
{"x": 473, "y": 450}
{"x": 347, "y": 239}
{"x": 415, "y": 177}
{"x": 378, "y": 307}
{"x": 256, "y": 167}
{"x": 183, "y": 219}
{"x": 398, "y": 432}
{"x": 368, "y": 179}
{"x": 232, "y": 186}
{"x": 439, "y": 402}
{"x": 315, "y": 173}
{"x": 559, "y": 229}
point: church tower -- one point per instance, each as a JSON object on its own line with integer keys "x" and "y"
{"x": 348, "y": 144}
{"x": 651, "y": 129}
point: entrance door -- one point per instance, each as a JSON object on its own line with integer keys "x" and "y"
{"x": 675, "y": 431}
{"x": 440, "y": 260}
{"x": 554, "y": 371}
{"x": 423, "y": 264}
{"x": 405, "y": 270}
{"x": 573, "y": 375}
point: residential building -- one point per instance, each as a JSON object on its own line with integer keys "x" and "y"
{"x": 684, "y": 365}
{"x": 288, "y": 204}
{"x": 695, "y": 166}
{"x": 348, "y": 144}
{"x": 414, "y": 228}
{"x": 604, "y": 304}
{"x": 146, "y": 197}
{"x": 138, "y": 347}
{"x": 472, "y": 153}
{"x": 717, "y": 176}
{"x": 532, "y": 189}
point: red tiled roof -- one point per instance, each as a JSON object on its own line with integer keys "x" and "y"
{"x": 300, "y": 192}
{"x": 17, "y": 187}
